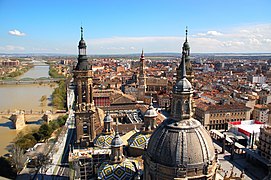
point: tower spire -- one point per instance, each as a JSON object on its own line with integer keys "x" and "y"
{"x": 183, "y": 75}
{"x": 186, "y": 31}
{"x": 81, "y": 32}
{"x": 142, "y": 53}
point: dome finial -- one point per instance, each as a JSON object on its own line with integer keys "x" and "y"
{"x": 81, "y": 32}
{"x": 186, "y": 31}
{"x": 117, "y": 126}
{"x": 142, "y": 53}
{"x": 151, "y": 104}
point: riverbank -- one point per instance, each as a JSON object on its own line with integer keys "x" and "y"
{"x": 13, "y": 72}
{"x": 7, "y": 133}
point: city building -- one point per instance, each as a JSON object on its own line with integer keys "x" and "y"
{"x": 264, "y": 144}
{"x": 216, "y": 116}
{"x": 260, "y": 113}
{"x": 10, "y": 63}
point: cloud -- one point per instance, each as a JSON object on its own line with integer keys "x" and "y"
{"x": 249, "y": 39}
{"x": 11, "y": 48}
{"x": 209, "y": 33}
{"x": 16, "y": 33}
{"x": 214, "y": 33}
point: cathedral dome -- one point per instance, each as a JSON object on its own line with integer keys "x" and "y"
{"x": 184, "y": 145}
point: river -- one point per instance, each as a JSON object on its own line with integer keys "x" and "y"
{"x": 22, "y": 97}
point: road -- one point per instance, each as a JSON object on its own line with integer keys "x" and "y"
{"x": 240, "y": 164}
{"x": 59, "y": 168}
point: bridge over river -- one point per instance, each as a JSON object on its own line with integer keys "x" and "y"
{"x": 40, "y": 80}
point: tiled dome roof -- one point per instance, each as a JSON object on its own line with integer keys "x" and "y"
{"x": 139, "y": 140}
{"x": 103, "y": 140}
{"x": 123, "y": 171}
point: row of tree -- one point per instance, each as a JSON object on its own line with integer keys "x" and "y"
{"x": 59, "y": 96}
{"x": 53, "y": 72}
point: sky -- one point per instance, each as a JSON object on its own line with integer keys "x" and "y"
{"x": 127, "y": 26}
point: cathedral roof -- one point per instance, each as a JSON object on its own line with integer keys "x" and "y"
{"x": 103, "y": 140}
{"x": 124, "y": 170}
{"x": 139, "y": 140}
{"x": 184, "y": 144}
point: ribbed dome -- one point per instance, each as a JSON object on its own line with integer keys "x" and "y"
{"x": 182, "y": 85}
{"x": 183, "y": 144}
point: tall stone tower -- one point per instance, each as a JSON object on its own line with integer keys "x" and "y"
{"x": 82, "y": 75}
{"x": 142, "y": 79}
{"x": 188, "y": 65}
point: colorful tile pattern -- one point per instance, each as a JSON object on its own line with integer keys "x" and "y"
{"x": 139, "y": 140}
{"x": 103, "y": 140}
{"x": 122, "y": 171}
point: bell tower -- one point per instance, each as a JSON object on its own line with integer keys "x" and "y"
{"x": 82, "y": 74}
{"x": 142, "y": 79}
{"x": 181, "y": 107}
{"x": 186, "y": 59}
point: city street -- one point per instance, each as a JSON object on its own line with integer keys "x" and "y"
{"x": 240, "y": 164}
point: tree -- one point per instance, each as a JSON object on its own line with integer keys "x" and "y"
{"x": 17, "y": 157}
{"x": 45, "y": 130}
{"x": 6, "y": 169}
{"x": 26, "y": 141}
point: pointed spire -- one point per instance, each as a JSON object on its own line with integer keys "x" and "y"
{"x": 151, "y": 104}
{"x": 183, "y": 75}
{"x": 142, "y": 53}
{"x": 81, "y": 33}
{"x": 117, "y": 128}
{"x": 186, "y": 31}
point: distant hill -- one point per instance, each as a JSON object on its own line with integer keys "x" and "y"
{"x": 135, "y": 55}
